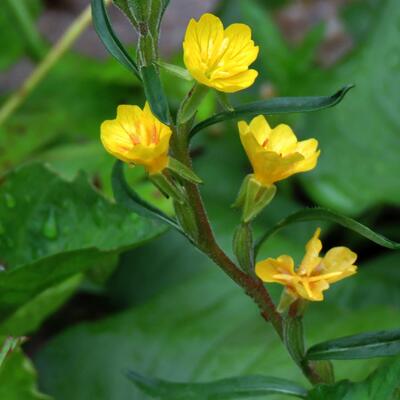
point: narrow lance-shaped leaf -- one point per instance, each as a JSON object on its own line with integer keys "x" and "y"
{"x": 106, "y": 34}
{"x": 224, "y": 389}
{"x": 364, "y": 345}
{"x": 155, "y": 93}
{"x": 321, "y": 214}
{"x": 278, "y": 105}
{"x": 127, "y": 197}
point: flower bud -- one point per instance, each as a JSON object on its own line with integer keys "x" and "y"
{"x": 253, "y": 197}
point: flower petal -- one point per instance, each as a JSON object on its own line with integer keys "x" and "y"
{"x": 260, "y": 129}
{"x": 282, "y": 140}
{"x": 266, "y": 269}
{"x": 339, "y": 259}
{"x": 311, "y": 259}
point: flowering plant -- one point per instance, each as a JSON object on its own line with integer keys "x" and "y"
{"x": 220, "y": 59}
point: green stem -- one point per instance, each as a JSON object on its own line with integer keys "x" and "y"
{"x": 55, "y": 54}
{"x": 28, "y": 29}
{"x": 252, "y": 286}
{"x": 207, "y": 243}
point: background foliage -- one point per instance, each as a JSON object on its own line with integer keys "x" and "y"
{"x": 76, "y": 280}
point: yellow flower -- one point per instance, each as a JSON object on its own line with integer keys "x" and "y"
{"x": 137, "y": 137}
{"x": 275, "y": 154}
{"x": 220, "y": 58}
{"x": 315, "y": 273}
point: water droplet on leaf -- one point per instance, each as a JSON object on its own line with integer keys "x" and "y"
{"x": 10, "y": 201}
{"x": 50, "y": 229}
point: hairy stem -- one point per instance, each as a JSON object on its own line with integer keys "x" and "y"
{"x": 207, "y": 243}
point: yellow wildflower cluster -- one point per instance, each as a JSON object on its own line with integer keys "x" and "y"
{"x": 220, "y": 59}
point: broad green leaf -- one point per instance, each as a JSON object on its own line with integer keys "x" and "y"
{"x": 127, "y": 197}
{"x": 383, "y": 384}
{"x": 321, "y": 214}
{"x": 360, "y": 143}
{"x": 363, "y": 345}
{"x": 230, "y": 388}
{"x": 204, "y": 326}
{"x": 155, "y": 93}
{"x": 29, "y": 316}
{"x": 105, "y": 31}
{"x": 39, "y": 216}
{"x": 278, "y": 105}
{"x": 377, "y": 284}
{"x": 18, "y": 378}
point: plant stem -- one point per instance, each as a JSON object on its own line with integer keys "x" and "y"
{"x": 207, "y": 243}
{"x": 54, "y": 55}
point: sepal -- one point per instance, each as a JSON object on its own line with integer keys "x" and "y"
{"x": 182, "y": 171}
{"x": 253, "y": 197}
{"x": 168, "y": 187}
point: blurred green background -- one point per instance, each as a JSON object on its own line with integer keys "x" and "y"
{"x": 84, "y": 279}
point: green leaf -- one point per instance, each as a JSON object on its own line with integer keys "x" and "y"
{"x": 182, "y": 171}
{"x": 155, "y": 93}
{"x": 364, "y": 345}
{"x": 359, "y": 139}
{"x": 18, "y": 378}
{"x": 13, "y": 44}
{"x": 8, "y": 345}
{"x": 196, "y": 326}
{"x": 383, "y": 384}
{"x": 231, "y": 388}
{"x": 40, "y": 244}
{"x": 104, "y": 29}
{"x": 279, "y": 105}
{"x": 28, "y": 317}
{"x": 378, "y": 284}
{"x": 127, "y": 197}
{"x": 321, "y": 214}
{"x": 176, "y": 70}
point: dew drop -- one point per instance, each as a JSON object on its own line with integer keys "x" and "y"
{"x": 50, "y": 230}
{"x": 10, "y": 201}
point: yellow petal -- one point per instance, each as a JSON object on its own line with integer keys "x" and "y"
{"x": 219, "y": 58}
{"x": 311, "y": 259}
{"x": 237, "y": 82}
{"x": 339, "y": 259}
{"x": 270, "y": 167}
{"x": 309, "y": 150}
{"x": 260, "y": 129}
{"x": 267, "y": 269}
{"x": 282, "y": 140}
